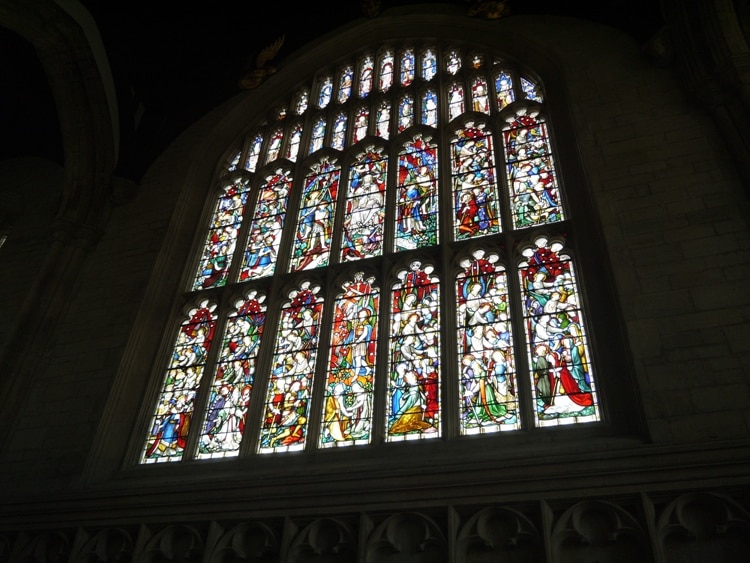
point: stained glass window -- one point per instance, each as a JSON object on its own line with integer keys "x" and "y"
{"x": 365, "y": 207}
{"x": 287, "y": 405}
{"x": 312, "y": 241}
{"x": 220, "y": 244}
{"x": 474, "y": 184}
{"x": 225, "y": 418}
{"x": 414, "y": 375}
{"x": 169, "y": 426}
{"x": 348, "y": 403}
{"x": 460, "y": 224}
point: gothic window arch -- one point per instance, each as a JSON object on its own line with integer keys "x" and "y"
{"x": 388, "y": 258}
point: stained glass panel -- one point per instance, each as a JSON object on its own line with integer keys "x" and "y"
{"x": 361, "y": 120}
{"x": 318, "y": 134}
{"x": 326, "y": 92}
{"x": 487, "y": 388}
{"x": 386, "y": 72}
{"x": 429, "y": 65}
{"x": 253, "y": 154}
{"x": 338, "y": 138}
{"x": 453, "y": 62}
{"x": 345, "y": 84}
{"x": 405, "y": 113}
{"x": 274, "y": 145}
{"x": 416, "y": 196}
{"x": 430, "y": 108}
{"x": 234, "y": 162}
{"x": 170, "y": 423}
{"x": 413, "y": 397}
{"x": 347, "y": 412}
{"x": 407, "y": 67}
{"x": 312, "y": 241}
{"x": 563, "y": 385}
{"x": 287, "y": 405}
{"x": 455, "y": 100}
{"x": 366, "y": 72}
{"x": 474, "y": 184}
{"x": 295, "y": 138}
{"x": 365, "y": 208}
{"x": 384, "y": 120}
{"x": 504, "y": 89}
{"x": 264, "y": 237}
{"x": 218, "y": 249}
{"x": 530, "y": 90}
{"x": 535, "y": 197}
{"x": 480, "y": 100}
{"x": 224, "y": 421}
{"x": 303, "y": 99}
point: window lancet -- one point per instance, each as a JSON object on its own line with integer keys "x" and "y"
{"x": 423, "y": 174}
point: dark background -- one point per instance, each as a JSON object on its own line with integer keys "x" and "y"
{"x": 173, "y": 62}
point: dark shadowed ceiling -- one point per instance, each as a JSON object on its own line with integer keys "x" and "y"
{"x": 172, "y": 62}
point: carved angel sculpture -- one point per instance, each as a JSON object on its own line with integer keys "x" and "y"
{"x": 254, "y": 77}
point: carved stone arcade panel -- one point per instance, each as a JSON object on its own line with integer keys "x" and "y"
{"x": 692, "y": 527}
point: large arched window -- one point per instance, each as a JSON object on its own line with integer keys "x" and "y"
{"x": 387, "y": 258}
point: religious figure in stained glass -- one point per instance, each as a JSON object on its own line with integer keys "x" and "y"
{"x": 170, "y": 423}
{"x": 225, "y": 417}
{"x": 274, "y": 146}
{"x": 453, "y": 62}
{"x": 487, "y": 388}
{"x": 318, "y": 134}
{"x": 405, "y": 113}
{"x": 325, "y": 92}
{"x": 414, "y": 379}
{"x": 312, "y": 241}
{"x": 384, "y": 120}
{"x": 259, "y": 259}
{"x": 407, "y": 67}
{"x": 556, "y": 383}
{"x": 455, "y": 100}
{"x": 429, "y": 65}
{"x": 535, "y": 197}
{"x": 295, "y": 138}
{"x": 480, "y": 100}
{"x": 338, "y": 138}
{"x": 284, "y": 425}
{"x": 366, "y": 73}
{"x": 361, "y": 120}
{"x": 474, "y": 183}
{"x": 345, "y": 84}
{"x": 563, "y": 386}
{"x": 347, "y": 412}
{"x": 416, "y": 196}
{"x": 386, "y": 72}
{"x": 253, "y": 155}
{"x": 365, "y": 208}
{"x": 504, "y": 89}
{"x": 430, "y": 108}
{"x": 218, "y": 249}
